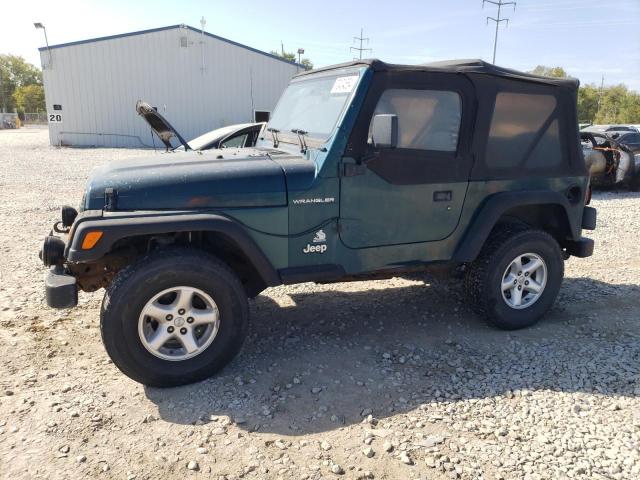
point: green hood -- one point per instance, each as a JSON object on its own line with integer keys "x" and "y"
{"x": 189, "y": 180}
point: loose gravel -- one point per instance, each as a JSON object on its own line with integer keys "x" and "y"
{"x": 391, "y": 379}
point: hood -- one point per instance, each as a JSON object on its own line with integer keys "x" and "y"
{"x": 160, "y": 125}
{"x": 228, "y": 178}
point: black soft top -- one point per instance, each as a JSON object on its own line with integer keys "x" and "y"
{"x": 474, "y": 66}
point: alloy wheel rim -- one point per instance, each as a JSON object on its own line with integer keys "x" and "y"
{"x": 524, "y": 281}
{"x": 178, "y": 323}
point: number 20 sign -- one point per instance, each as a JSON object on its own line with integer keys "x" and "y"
{"x": 55, "y": 118}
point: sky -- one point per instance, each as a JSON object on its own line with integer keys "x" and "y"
{"x": 588, "y": 38}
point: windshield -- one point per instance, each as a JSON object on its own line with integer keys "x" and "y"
{"x": 314, "y": 104}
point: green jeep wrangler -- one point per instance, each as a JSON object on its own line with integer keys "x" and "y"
{"x": 365, "y": 170}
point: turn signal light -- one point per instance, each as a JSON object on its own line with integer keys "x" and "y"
{"x": 90, "y": 240}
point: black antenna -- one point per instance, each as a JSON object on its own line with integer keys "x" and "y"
{"x": 500, "y": 4}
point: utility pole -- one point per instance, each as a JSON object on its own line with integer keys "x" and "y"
{"x": 599, "y": 98}
{"x": 203, "y": 22}
{"x": 359, "y": 49}
{"x": 497, "y": 20}
{"x": 2, "y": 105}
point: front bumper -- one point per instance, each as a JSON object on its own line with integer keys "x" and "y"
{"x": 61, "y": 288}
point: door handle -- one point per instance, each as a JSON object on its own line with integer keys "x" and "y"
{"x": 443, "y": 196}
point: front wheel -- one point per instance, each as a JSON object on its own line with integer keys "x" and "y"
{"x": 174, "y": 317}
{"x": 516, "y": 278}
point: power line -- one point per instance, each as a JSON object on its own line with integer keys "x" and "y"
{"x": 497, "y": 21}
{"x": 361, "y": 39}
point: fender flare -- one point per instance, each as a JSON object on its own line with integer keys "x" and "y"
{"x": 117, "y": 228}
{"x": 488, "y": 214}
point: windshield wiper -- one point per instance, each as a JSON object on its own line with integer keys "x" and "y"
{"x": 303, "y": 143}
{"x": 274, "y": 134}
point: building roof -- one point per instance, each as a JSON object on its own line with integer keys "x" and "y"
{"x": 455, "y": 66}
{"x": 170, "y": 27}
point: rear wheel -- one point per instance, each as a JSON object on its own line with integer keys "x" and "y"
{"x": 175, "y": 317}
{"x": 516, "y": 278}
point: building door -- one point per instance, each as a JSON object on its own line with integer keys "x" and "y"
{"x": 261, "y": 116}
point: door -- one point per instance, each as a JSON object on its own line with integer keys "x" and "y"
{"x": 414, "y": 192}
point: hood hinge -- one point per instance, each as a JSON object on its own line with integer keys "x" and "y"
{"x": 110, "y": 199}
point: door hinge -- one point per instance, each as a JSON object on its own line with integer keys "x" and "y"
{"x": 353, "y": 169}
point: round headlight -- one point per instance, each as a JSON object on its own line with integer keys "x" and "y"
{"x": 69, "y": 215}
{"x": 52, "y": 252}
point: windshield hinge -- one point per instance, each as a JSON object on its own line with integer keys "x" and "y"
{"x": 352, "y": 169}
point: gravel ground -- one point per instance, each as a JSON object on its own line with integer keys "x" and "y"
{"x": 391, "y": 379}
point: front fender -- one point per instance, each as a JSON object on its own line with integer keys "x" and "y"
{"x": 119, "y": 227}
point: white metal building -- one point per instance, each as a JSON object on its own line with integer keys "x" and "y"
{"x": 197, "y": 80}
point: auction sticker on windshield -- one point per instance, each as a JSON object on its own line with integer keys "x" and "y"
{"x": 344, "y": 84}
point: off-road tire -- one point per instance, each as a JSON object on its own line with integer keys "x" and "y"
{"x": 484, "y": 276}
{"x": 132, "y": 288}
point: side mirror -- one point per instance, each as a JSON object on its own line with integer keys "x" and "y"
{"x": 384, "y": 131}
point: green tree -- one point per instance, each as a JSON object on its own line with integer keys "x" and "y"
{"x": 555, "y": 72}
{"x": 15, "y": 72}
{"x": 587, "y": 103}
{"x": 613, "y": 104}
{"x": 618, "y": 105}
{"x": 29, "y": 99}
{"x": 290, "y": 56}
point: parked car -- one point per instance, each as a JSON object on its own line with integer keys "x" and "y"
{"x": 233, "y": 136}
{"x": 8, "y": 120}
{"x": 631, "y": 140}
{"x": 620, "y": 128}
{"x": 610, "y": 162}
{"x": 369, "y": 170}
{"x": 609, "y": 128}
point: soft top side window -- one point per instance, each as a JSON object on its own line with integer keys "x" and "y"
{"x": 516, "y": 131}
{"x": 427, "y": 119}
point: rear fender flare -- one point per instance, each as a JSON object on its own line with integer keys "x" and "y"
{"x": 495, "y": 206}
